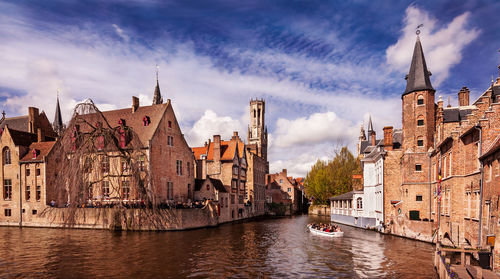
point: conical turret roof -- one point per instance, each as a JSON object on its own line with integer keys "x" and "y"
{"x": 419, "y": 77}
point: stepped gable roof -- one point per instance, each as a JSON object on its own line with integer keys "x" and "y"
{"x": 44, "y": 149}
{"x": 134, "y": 120}
{"x": 346, "y": 196}
{"x": 22, "y": 138}
{"x": 456, "y": 114}
{"x": 19, "y": 123}
{"x": 419, "y": 77}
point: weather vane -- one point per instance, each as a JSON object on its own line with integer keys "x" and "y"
{"x": 418, "y": 28}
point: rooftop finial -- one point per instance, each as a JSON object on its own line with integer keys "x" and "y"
{"x": 157, "y": 70}
{"x": 418, "y": 29}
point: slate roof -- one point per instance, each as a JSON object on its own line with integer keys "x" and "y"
{"x": 44, "y": 149}
{"x": 346, "y": 196}
{"x": 419, "y": 77}
{"x": 58, "y": 123}
{"x": 134, "y": 120}
{"x": 455, "y": 114}
{"x": 367, "y": 143}
{"x": 215, "y": 182}
{"x": 19, "y": 123}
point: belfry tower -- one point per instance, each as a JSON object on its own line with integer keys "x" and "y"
{"x": 257, "y": 130}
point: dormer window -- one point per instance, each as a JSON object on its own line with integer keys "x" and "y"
{"x": 35, "y": 153}
{"x": 146, "y": 120}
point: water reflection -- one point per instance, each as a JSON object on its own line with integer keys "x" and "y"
{"x": 270, "y": 248}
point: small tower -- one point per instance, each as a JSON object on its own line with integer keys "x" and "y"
{"x": 418, "y": 104}
{"x": 371, "y": 132}
{"x": 157, "y": 98}
{"x": 58, "y": 123}
{"x": 257, "y": 130}
{"x": 361, "y": 138}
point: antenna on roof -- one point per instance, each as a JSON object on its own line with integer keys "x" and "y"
{"x": 418, "y": 28}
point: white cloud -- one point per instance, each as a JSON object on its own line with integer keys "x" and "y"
{"x": 317, "y": 128}
{"x": 210, "y": 124}
{"x": 121, "y": 33}
{"x": 443, "y": 45}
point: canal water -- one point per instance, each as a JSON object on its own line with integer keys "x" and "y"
{"x": 271, "y": 248}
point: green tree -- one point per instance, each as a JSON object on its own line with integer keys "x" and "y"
{"x": 332, "y": 178}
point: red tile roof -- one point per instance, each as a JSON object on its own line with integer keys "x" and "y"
{"x": 227, "y": 150}
{"x": 133, "y": 120}
{"x": 43, "y": 149}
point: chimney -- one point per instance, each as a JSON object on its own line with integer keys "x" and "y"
{"x": 440, "y": 102}
{"x": 388, "y": 137}
{"x": 284, "y": 172}
{"x": 463, "y": 96}
{"x": 235, "y": 135}
{"x": 216, "y": 148}
{"x": 135, "y": 104}
{"x": 40, "y": 135}
{"x": 33, "y": 119}
{"x": 372, "y": 137}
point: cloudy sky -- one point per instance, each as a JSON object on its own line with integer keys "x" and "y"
{"x": 322, "y": 66}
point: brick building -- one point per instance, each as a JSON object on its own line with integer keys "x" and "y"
{"x": 21, "y": 138}
{"x": 227, "y": 162}
{"x": 287, "y": 185}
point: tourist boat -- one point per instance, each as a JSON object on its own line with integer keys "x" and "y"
{"x": 330, "y": 234}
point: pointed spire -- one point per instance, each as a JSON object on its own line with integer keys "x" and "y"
{"x": 157, "y": 98}
{"x": 419, "y": 77}
{"x": 370, "y": 126}
{"x": 58, "y": 123}
{"x": 362, "y": 135}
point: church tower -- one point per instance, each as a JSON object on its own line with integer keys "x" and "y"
{"x": 257, "y": 130}
{"x": 58, "y": 125}
{"x": 157, "y": 98}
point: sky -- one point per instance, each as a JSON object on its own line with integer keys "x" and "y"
{"x": 323, "y": 67}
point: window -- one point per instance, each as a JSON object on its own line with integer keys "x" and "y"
{"x": 414, "y": 215}
{"x": 420, "y": 100}
{"x": 7, "y": 189}
{"x": 91, "y": 192}
{"x": 125, "y": 190}
{"x": 281, "y": 181}
{"x": 170, "y": 190}
{"x": 469, "y": 202}
{"x": 227, "y": 202}
{"x": 27, "y": 193}
{"x": 449, "y": 164}
{"x": 418, "y": 198}
{"x": 420, "y": 122}
{"x": 37, "y": 172}
{"x": 105, "y": 164}
{"x": 235, "y": 170}
{"x": 170, "y": 124}
{"x": 28, "y": 172}
{"x": 234, "y": 185}
{"x": 232, "y": 199}
{"x": 124, "y": 164}
{"x": 34, "y": 212}
{"x": 420, "y": 142}
{"x": 189, "y": 191}
{"x": 242, "y": 185}
{"x": 243, "y": 173}
{"x": 6, "y": 156}
{"x": 8, "y": 212}
{"x": 289, "y": 190}
{"x": 142, "y": 163}
{"x": 208, "y": 187}
{"x": 418, "y": 167}
{"x": 38, "y": 193}
{"x": 188, "y": 166}
{"x": 170, "y": 140}
{"x": 105, "y": 189}
{"x": 179, "y": 167}
{"x": 359, "y": 203}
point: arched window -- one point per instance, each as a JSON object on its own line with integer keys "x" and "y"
{"x": 420, "y": 100}
{"x": 6, "y": 156}
{"x": 420, "y": 120}
{"x": 359, "y": 203}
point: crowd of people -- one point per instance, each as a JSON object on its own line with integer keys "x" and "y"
{"x": 325, "y": 227}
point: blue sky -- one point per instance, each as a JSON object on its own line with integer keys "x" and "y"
{"x": 322, "y": 66}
